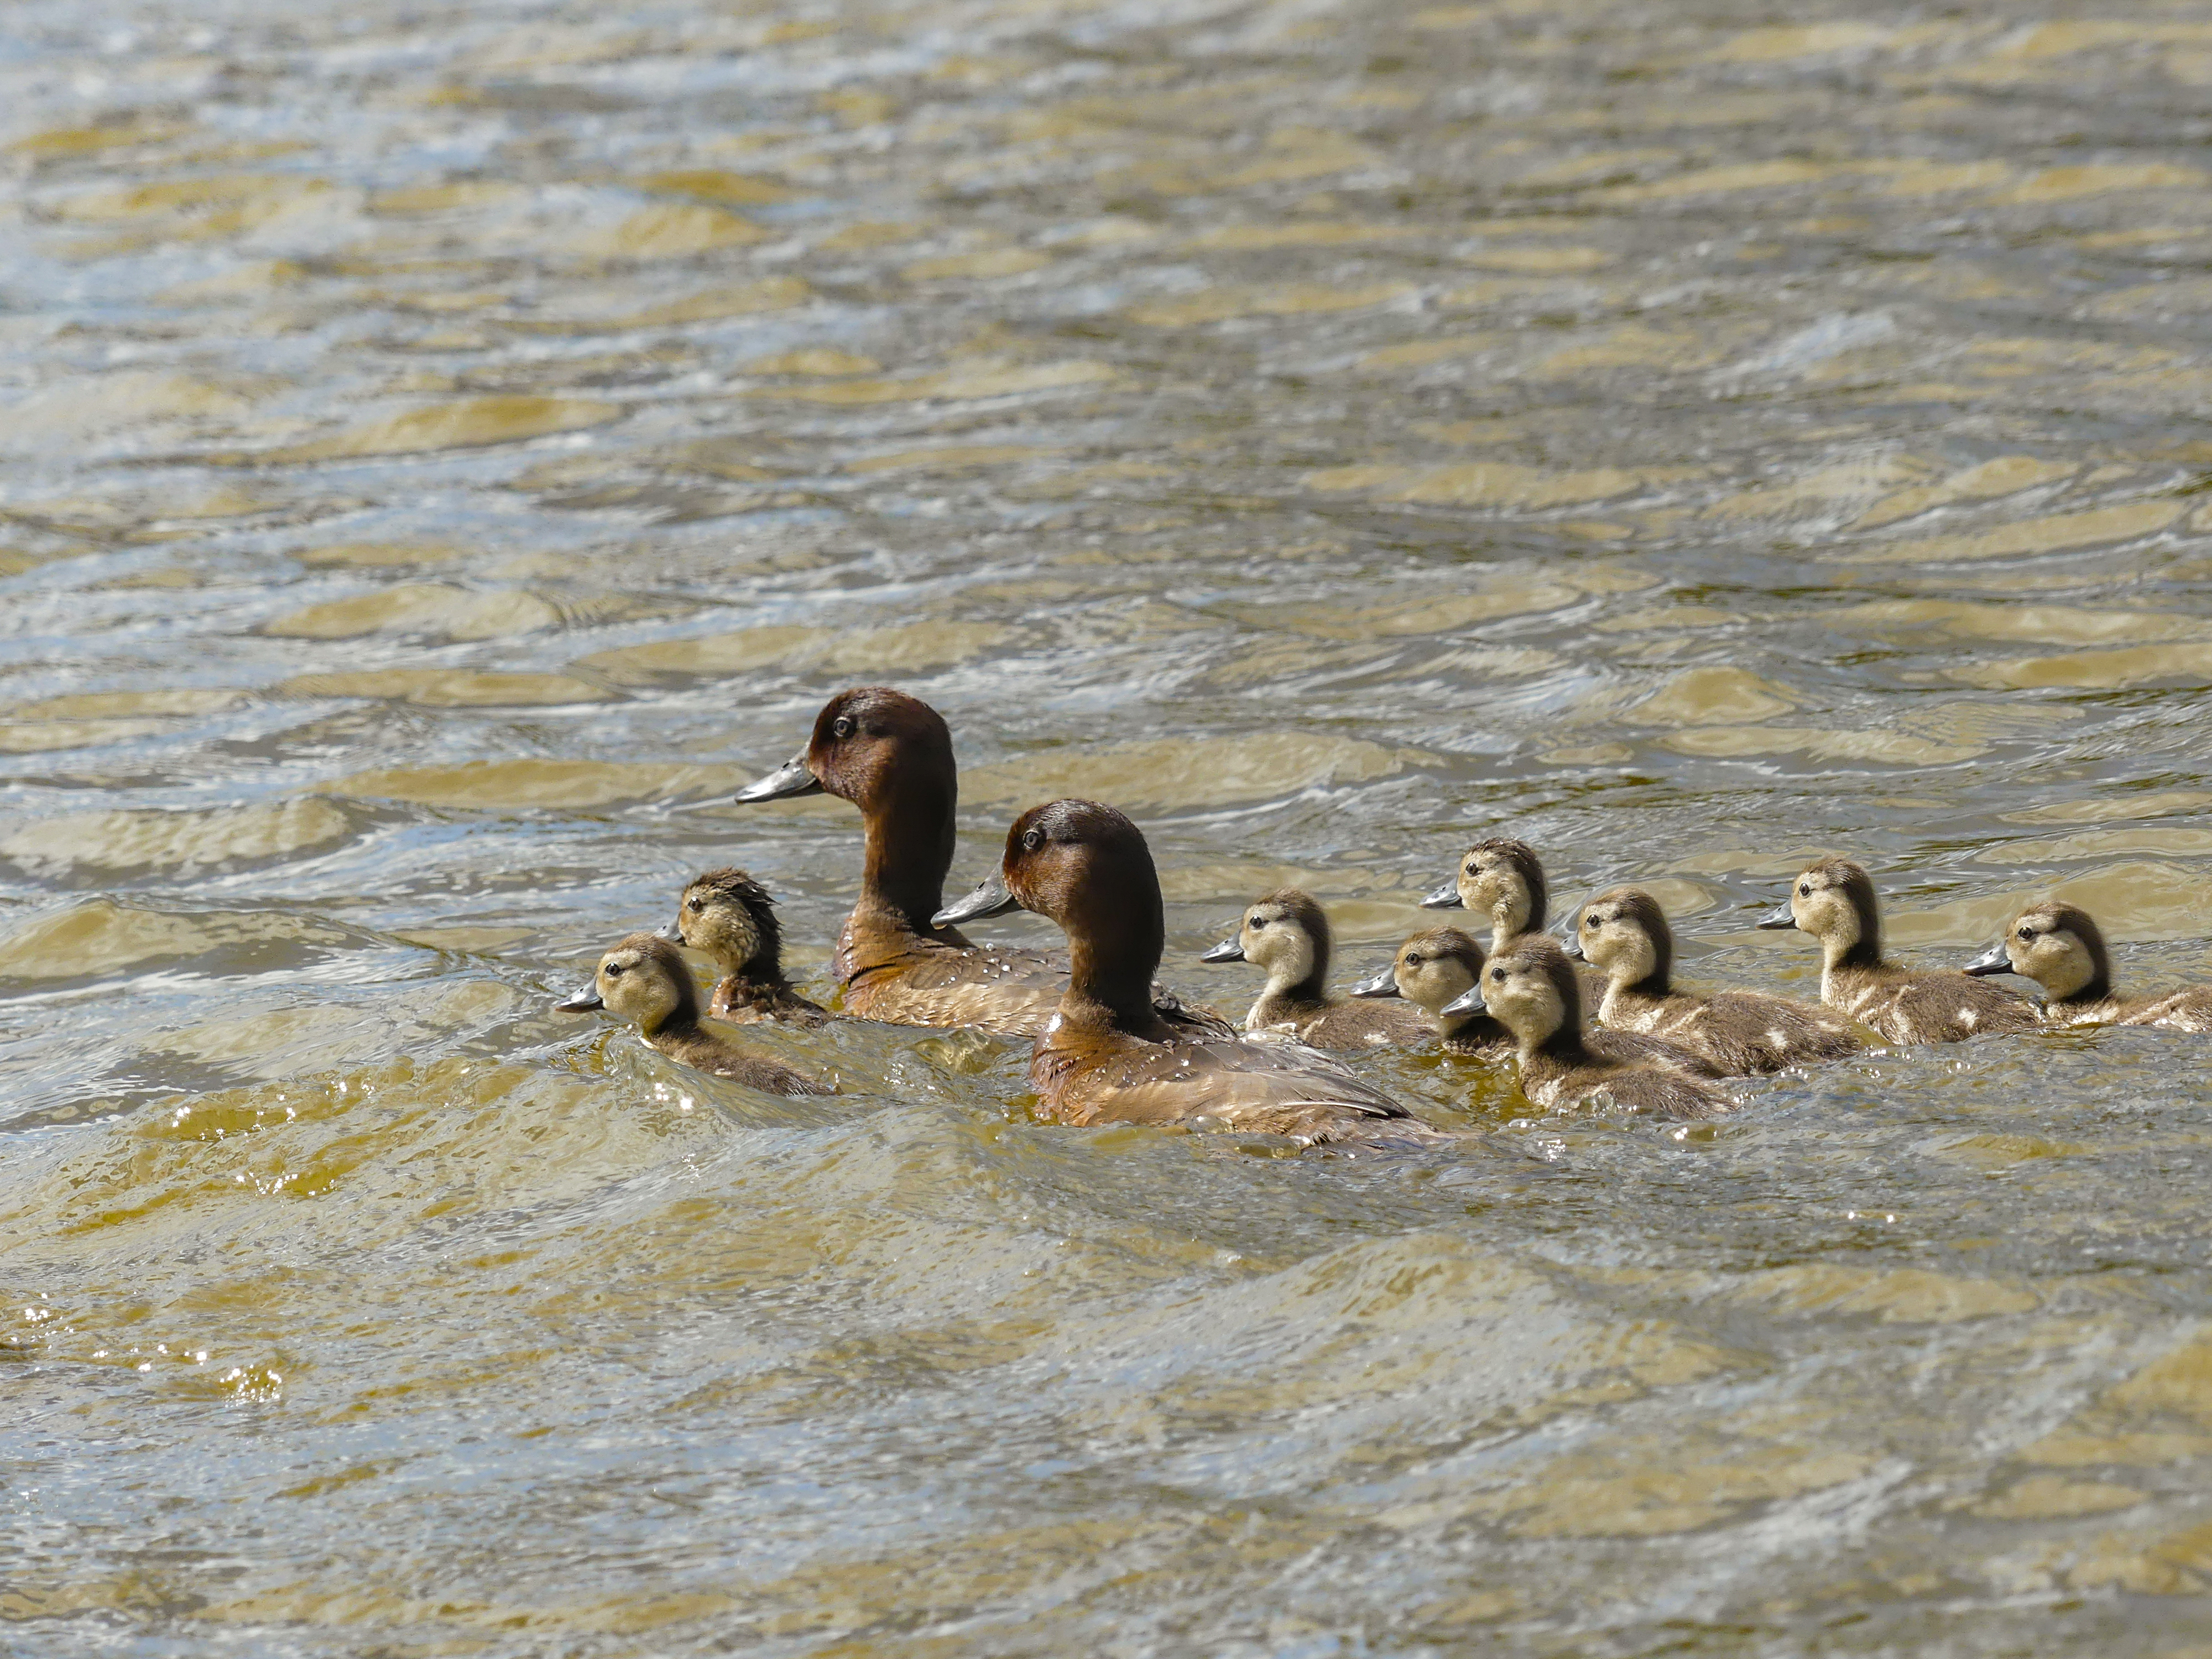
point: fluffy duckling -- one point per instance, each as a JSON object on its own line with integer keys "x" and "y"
{"x": 1501, "y": 878}
{"x": 1833, "y": 900}
{"x": 1531, "y": 988}
{"x": 729, "y": 916}
{"x": 643, "y": 979}
{"x": 1432, "y": 970}
{"x": 1744, "y": 1033}
{"x": 891, "y": 756}
{"x": 1287, "y": 933}
{"x": 2062, "y": 950}
{"x": 1109, "y": 1054}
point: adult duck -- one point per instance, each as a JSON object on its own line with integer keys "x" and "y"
{"x": 2060, "y": 948}
{"x": 1109, "y": 1054}
{"x": 1833, "y": 900}
{"x": 891, "y": 756}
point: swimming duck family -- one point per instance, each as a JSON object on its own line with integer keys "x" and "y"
{"x": 1287, "y": 934}
{"x": 1833, "y": 900}
{"x": 2060, "y": 948}
{"x": 1108, "y": 1046}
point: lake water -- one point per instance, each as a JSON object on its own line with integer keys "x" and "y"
{"x": 441, "y": 441}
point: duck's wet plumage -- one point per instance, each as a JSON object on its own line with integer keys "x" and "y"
{"x": 1625, "y": 933}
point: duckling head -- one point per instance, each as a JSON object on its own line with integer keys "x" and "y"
{"x": 1529, "y": 989}
{"x": 1833, "y": 901}
{"x": 1430, "y": 970}
{"x": 1502, "y": 879}
{"x": 2059, "y": 947}
{"x": 729, "y": 916}
{"x": 1285, "y": 933}
{"x": 643, "y": 979}
{"x": 1624, "y": 931}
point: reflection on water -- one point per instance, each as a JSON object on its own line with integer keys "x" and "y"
{"x": 442, "y": 443}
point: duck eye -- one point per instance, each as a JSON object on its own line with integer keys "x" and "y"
{"x": 697, "y": 905}
{"x": 614, "y": 970}
{"x": 1805, "y": 890}
{"x": 1497, "y": 975}
{"x": 842, "y": 726}
{"x": 1031, "y": 839}
{"x": 2028, "y": 933}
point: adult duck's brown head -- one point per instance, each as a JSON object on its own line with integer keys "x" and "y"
{"x": 891, "y": 756}
{"x": 1086, "y": 867}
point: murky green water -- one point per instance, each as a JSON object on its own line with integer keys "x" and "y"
{"x": 440, "y": 441}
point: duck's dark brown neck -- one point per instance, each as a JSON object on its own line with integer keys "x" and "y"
{"x": 909, "y": 831}
{"x": 1114, "y": 976}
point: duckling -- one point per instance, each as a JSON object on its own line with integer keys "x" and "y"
{"x": 1532, "y": 989}
{"x": 642, "y": 979}
{"x": 729, "y": 916}
{"x": 1624, "y": 931}
{"x": 1287, "y": 933}
{"x": 1109, "y": 1054}
{"x": 1502, "y": 879}
{"x": 891, "y": 755}
{"x": 1430, "y": 970}
{"x": 1833, "y": 900}
{"x": 2062, "y": 949}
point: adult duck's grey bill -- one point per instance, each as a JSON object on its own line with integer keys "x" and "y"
{"x": 1468, "y": 1002}
{"x": 1228, "y": 950}
{"x": 582, "y": 1003}
{"x": 1384, "y": 984}
{"x": 1994, "y": 960}
{"x": 1778, "y": 917}
{"x": 789, "y": 781}
{"x": 1446, "y": 898}
{"x": 990, "y": 898}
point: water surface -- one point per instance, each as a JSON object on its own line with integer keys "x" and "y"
{"x": 441, "y": 441}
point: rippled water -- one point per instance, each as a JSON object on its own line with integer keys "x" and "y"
{"x": 441, "y": 441}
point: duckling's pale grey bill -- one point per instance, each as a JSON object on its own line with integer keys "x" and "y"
{"x": 1777, "y": 917}
{"x": 1468, "y": 1002}
{"x": 990, "y": 898}
{"x": 1994, "y": 960}
{"x": 582, "y": 1003}
{"x": 1384, "y": 984}
{"x": 1446, "y": 898}
{"x": 791, "y": 779}
{"x": 1228, "y": 950}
